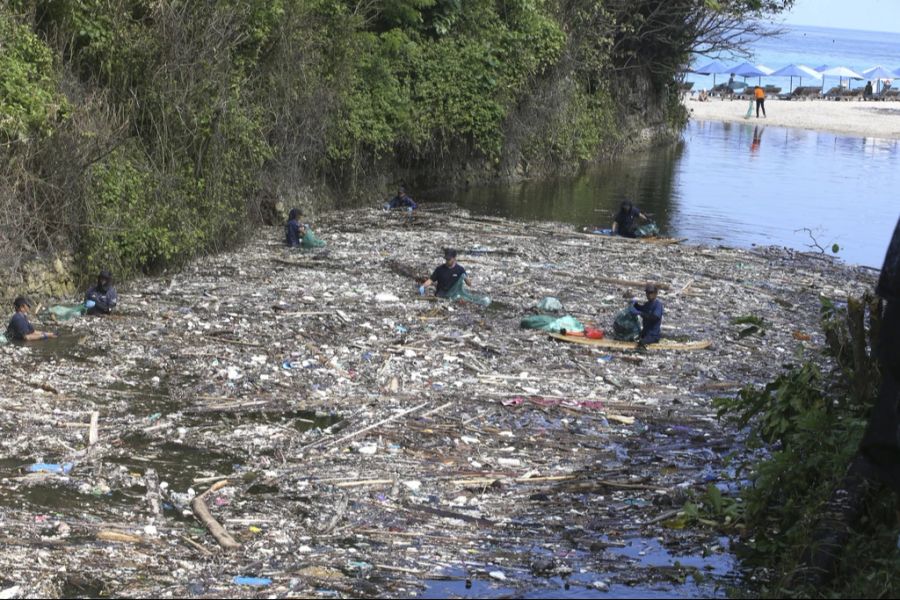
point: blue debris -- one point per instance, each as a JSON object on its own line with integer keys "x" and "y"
{"x": 257, "y": 581}
{"x": 63, "y": 468}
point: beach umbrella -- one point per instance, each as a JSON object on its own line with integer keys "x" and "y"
{"x": 840, "y": 73}
{"x": 878, "y": 72}
{"x": 714, "y": 68}
{"x": 800, "y": 71}
{"x": 746, "y": 70}
{"x": 821, "y": 68}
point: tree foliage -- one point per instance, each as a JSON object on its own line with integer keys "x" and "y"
{"x": 155, "y": 128}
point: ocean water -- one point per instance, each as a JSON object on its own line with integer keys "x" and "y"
{"x": 815, "y": 46}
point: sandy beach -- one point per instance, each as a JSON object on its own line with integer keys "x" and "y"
{"x": 867, "y": 119}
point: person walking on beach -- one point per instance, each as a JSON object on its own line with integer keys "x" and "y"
{"x": 20, "y": 328}
{"x": 651, "y": 313}
{"x": 102, "y": 298}
{"x": 760, "y": 95}
{"x": 445, "y": 276}
{"x": 626, "y": 220}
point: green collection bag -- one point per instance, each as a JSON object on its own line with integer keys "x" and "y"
{"x": 648, "y": 230}
{"x": 460, "y": 292}
{"x": 65, "y": 312}
{"x": 626, "y": 326}
{"x": 551, "y": 323}
{"x": 310, "y": 240}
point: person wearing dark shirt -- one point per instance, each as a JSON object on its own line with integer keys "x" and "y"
{"x": 651, "y": 313}
{"x": 294, "y": 230}
{"x": 626, "y": 220}
{"x": 445, "y": 276}
{"x": 19, "y": 327}
{"x": 402, "y": 200}
{"x": 102, "y": 298}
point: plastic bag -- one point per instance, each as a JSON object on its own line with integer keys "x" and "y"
{"x": 550, "y": 304}
{"x": 626, "y": 326}
{"x": 460, "y": 292}
{"x": 648, "y": 230}
{"x": 3, "y": 339}
{"x": 310, "y": 240}
{"x": 64, "y": 312}
{"x": 551, "y": 323}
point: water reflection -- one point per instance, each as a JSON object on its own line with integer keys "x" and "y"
{"x": 740, "y": 184}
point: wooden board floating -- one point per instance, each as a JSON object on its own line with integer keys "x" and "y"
{"x": 617, "y": 345}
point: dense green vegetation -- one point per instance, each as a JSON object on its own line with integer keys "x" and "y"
{"x": 812, "y": 420}
{"x": 140, "y": 132}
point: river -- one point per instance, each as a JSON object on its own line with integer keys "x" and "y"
{"x": 730, "y": 184}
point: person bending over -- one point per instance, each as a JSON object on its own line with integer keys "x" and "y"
{"x": 626, "y": 220}
{"x": 445, "y": 276}
{"x": 102, "y": 298}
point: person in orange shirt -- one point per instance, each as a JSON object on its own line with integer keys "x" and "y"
{"x": 760, "y": 101}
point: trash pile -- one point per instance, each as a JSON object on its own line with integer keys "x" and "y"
{"x": 274, "y": 422}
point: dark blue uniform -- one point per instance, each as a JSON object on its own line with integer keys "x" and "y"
{"x": 404, "y": 202}
{"x": 106, "y": 300}
{"x": 627, "y": 222}
{"x": 292, "y": 233}
{"x": 18, "y": 327}
{"x": 445, "y": 278}
{"x": 651, "y": 315}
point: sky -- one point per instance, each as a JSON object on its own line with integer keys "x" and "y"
{"x": 869, "y": 15}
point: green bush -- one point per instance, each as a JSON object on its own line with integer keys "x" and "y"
{"x": 29, "y": 101}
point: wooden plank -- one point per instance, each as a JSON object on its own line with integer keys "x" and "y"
{"x": 617, "y": 345}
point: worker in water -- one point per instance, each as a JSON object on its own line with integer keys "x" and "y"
{"x": 626, "y": 220}
{"x": 401, "y": 200}
{"x": 294, "y": 230}
{"x": 446, "y": 276}
{"x": 651, "y": 313}
{"x": 20, "y": 328}
{"x": 102, "y": 298}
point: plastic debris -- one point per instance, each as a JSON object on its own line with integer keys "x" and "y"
{"x": 254, "y": 581}
{"x": 63, "y": 468}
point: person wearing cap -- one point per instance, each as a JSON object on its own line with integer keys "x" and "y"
{"x": 102, "y": 298}
{"x": 651, "y": 313}
{"x": 401, "y": 200}
{"x": 20, "y": 328}
{"x": 626, "y": 220}
{"x": 294, "y": 230}
{"x": 445, "y": 276}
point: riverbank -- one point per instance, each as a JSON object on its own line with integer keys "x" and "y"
{"x": 378, "y": 443}
{"x": 864, "y": 119}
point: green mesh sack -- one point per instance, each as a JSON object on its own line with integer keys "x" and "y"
{"x": 648, "y": 230}
{"x": 551, "y": 323}
{"x": 626, "y": 326}
{"x": 550, "y": 304}
{"x": 310, "y": 240}
{"x": 63, "y": 312}
{"x": 460, "y": 292}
